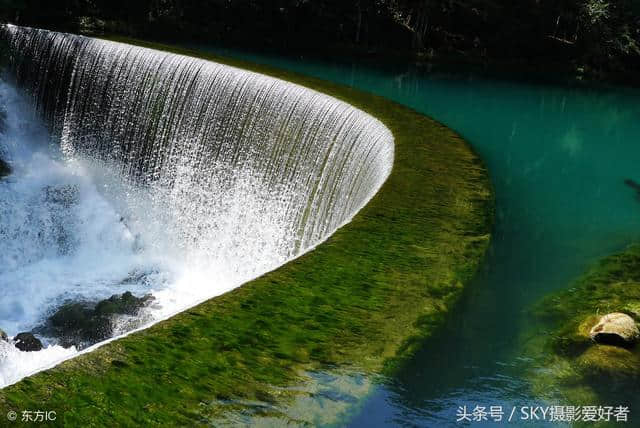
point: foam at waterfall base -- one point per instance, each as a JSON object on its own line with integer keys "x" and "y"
{"x": 113, "y": 232}
{"x": 142, "y": 171}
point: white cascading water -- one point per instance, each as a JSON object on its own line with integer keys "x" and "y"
{"x": 144, "y": 171}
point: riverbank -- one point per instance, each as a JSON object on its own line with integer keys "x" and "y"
{"x": 365, "y": 298}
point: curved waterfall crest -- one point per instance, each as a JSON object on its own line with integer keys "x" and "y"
{"x": 186, "y": 125}
{"x": 170, "y": 176}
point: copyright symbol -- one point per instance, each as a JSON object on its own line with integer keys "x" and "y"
{"x": 12, "y": 416}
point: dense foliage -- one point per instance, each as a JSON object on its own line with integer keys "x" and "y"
{"x": 600, "y": 34}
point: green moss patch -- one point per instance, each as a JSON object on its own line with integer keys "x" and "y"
{"x": 365, "y": 299}
{"x": 573, "y": 366}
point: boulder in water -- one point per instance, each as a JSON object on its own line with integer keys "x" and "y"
{"x": 27, "y": 342}
{"x": 72, "y": 316}
{"x": 3, "y": 335}
{"x": 84, "y": 323}
{"x": 616, "y": 329}
{"x": 125, "y": 304}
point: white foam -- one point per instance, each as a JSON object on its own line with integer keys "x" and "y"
{"x": 15, "y": 364}
{"x": 168, "y": 174}
{"x": 114, "y": 231}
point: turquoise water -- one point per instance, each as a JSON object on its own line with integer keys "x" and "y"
{"x": 558, "y": 157}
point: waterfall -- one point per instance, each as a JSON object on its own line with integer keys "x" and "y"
{"x": 216, "y": 174}
{"x": 182, "y": 123}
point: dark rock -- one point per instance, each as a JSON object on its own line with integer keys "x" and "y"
{"x": 4, "y": 169}
{"x": 126, "y": 304}
{"x": 3, "y": 335}
{"x": 85, "y": 323}
{"x": 72, "y": 316}
{"x": 27, "y": 342}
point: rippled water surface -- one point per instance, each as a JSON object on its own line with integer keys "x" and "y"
{"x": 558, "y": 156}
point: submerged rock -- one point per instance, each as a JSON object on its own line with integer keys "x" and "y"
{"x": 615, "y": 329}
{"x": 566, "y": 360}
{"x": 27, "y": 342}
{"x": 609, "y": 362}
{"x": 85, "y": 323}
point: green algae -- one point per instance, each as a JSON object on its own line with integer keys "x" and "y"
{"x": 573, "y": 368}
{"x": 366, "y": 298}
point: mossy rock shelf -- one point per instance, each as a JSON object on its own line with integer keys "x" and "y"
{"x": 570, "y": 366}
{"x": 366, "y": 298}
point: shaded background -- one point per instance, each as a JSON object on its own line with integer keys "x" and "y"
{"x": 594, "y": 38}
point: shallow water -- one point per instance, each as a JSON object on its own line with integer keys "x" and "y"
{"x": 558, "y": 156}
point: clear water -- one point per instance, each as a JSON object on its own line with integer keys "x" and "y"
{"x": 558, "y": 157}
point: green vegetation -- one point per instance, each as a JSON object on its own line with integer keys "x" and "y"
{"x": 573, "y": 366}
{"x": 364, "y": 300}
{"x": 587, "y": 37}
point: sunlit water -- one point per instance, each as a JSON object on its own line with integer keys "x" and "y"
{"x": 558, "y": 157}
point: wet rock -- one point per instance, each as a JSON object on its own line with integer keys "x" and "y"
{"x": 74, "y": 316}
{"x": 27, "y": 342}
{"x": 3, "y": 335}
{"x": 126, "y": 304}
{"x": 616, "y": 329}
{"x": 4, "y": 169}
{"x": 85, "y": 323}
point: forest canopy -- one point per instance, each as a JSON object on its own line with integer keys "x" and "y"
{"x": 600, "y": 34}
